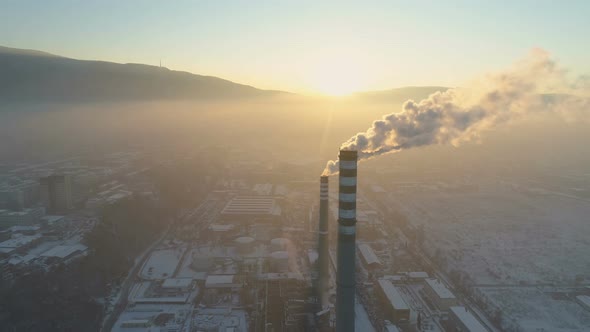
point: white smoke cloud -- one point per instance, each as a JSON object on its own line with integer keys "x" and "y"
{"x": 534, "y": 84}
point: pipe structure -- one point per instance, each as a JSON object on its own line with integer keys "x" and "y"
{"x": 323, "y": 247}
{"x": 345, "y": 274}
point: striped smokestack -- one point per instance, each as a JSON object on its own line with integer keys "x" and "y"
{"x": 345, "y": 276}
{"x": 323, "y": 257}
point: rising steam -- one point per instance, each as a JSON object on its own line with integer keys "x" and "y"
{"x": 535, "y": 84}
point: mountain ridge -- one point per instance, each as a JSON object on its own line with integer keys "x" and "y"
{"x": 28, "y": 75}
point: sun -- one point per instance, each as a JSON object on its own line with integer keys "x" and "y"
{"x": 337, "y": 77}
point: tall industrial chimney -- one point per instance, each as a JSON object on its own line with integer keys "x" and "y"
{"x": 345, "y": 276}
{"x": 323, "y": 254}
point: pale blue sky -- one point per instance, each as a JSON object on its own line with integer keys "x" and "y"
{"x": 307, "y": 45}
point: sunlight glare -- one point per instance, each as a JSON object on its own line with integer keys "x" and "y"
{"x": 337, "y": 77}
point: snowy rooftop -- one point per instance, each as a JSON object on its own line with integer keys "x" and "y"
{"x": 161, "y": 264}
{"x": 418, "y": 275}
{"x": 177, "y": 283}
{"x": 19, "y": 241}
{"x": 467, "y": 318}
{"x": 439, "y": 288}
{"x": 251, "y": 205}
{"x": 6, "y": 250}
{"x": 393, "y": 295}
{"x": 21, "y": 228}
{"x": 368, "y": 254}
{"x": 389, "y": 327}
{"x": 220, "y": 280}
{"x": 64, "y": 251}
{"x": 220, "y": 319}
{"x": 141, "y": 312}
{"x": 584, "y": 301}
{"x": 52, "y": 219}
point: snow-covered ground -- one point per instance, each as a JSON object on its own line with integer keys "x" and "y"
{"x": 532, "y": 310}
{"x": 510, "y": 238}
{"x": 502, "y": 236}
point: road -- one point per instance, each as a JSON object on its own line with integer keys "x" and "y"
{"x": 121, "y": 303}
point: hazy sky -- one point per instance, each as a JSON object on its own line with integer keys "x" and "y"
{"x": 307, "y": 46}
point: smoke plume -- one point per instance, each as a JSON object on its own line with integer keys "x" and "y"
{"x": 534, "y": 84}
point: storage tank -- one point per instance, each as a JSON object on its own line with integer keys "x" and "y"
{"x": 244, "y": 245}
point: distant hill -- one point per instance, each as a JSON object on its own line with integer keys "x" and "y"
{"x": 399, "y": 95}
{"x": 35, "y": 76}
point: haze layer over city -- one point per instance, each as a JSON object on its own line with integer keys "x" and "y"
{"x": 294, "y": 166}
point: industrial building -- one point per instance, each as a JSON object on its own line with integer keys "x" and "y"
{"x": 369, "y": 257}
{"x": 461, "y": 320}
{"x": 220, "y": 319}
{"x": 222, "y": 281}
{"x": 170, "y": 291}
{"x": 66, "y": 252}
{"x": 439, "y": 294}
{"x": 19, "y": 244}
{"x": 177, "y": 285}
{"x": 249, "y": 208}
{"x": 394, "y": 306}
{"x": 584, "y": 301}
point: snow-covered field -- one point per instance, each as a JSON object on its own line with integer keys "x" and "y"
{"x": 533, "y": 310}
{"x": 504, "y": 235}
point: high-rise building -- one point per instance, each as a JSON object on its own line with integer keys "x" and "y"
{"x": 56, "y": 193}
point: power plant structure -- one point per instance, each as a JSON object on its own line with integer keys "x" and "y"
{"x": 345, "y": 274}
{"x": 323, "y": 247}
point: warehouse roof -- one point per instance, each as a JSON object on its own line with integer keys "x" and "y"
{"x": 64, "y": 250}
{"x": 251, "y": 205}
{"x": 439, "y": 288}
{"x": 393, "y": 295}
{"x": 467, "y": 318}
{"x": 177, "y": 283}
{"x": 220, "y": 281}
{"x": 584, "y": 300}
{"x": 19, "y": 241}
{"x": 368, "y": 254}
